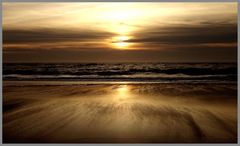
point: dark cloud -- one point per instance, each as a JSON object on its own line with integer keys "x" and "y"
{"x": 52, "y": 35}
{"x": 183, "y": 54}
{"x": 180, "y": 43}
{"x": 188, "y": 34}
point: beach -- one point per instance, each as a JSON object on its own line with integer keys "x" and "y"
{"x": 120, "y": 73}
{"x": 119, "y": 112}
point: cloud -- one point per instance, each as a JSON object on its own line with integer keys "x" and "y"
{"x": 188, "y": 34}
{"x": 52, "y": 35}
{"x": 165, "y": 44}
{"x": 187, "y": 54}
{"x": 161, "y": 33}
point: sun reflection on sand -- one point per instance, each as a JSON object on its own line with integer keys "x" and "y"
{"x": 122, "y": 92}
{"x": 120, "y": 112}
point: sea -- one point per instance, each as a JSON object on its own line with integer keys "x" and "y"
{"x": 123, "y": 72}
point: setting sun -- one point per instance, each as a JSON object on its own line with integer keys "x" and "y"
{"x": 120, "y": 42}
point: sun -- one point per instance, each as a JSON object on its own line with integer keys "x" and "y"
{"x": 120, "y": 42}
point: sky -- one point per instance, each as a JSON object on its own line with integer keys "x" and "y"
{"x": 120, "y": 32}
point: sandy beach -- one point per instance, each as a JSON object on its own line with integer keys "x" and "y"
{"x": 125, "y": 72}
{"x": 55, "y": 112}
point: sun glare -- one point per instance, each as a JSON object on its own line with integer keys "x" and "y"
{"x": 121, "y": 15}
{"x": 120, "y": 42}
{"x": 122, "y": 38}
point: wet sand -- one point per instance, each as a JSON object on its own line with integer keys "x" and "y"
{"x": 119, "y": 113}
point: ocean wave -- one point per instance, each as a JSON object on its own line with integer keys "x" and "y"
{"x": 123, "y": 71}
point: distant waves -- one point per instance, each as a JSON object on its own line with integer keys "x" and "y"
{"x": 159, "y": 72}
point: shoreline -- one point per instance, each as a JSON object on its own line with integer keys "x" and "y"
{"x": 76, "y": 82}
